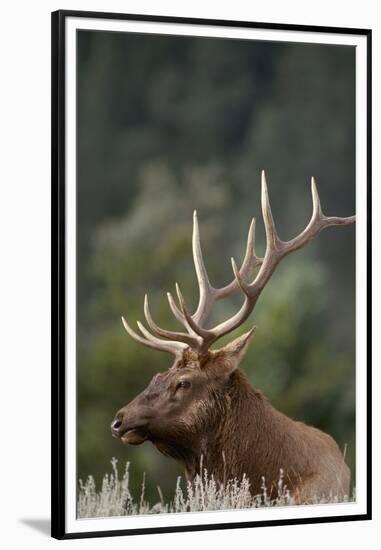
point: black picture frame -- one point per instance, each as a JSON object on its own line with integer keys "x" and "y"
{"x": 60, "y": 244}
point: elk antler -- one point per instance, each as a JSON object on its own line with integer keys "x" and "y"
{"x": 175, "y": 348}
{"x": 208, "y": 294}
{"x": 198, "y": 336}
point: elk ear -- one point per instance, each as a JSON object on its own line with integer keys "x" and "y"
{"x": 233, "y": 352}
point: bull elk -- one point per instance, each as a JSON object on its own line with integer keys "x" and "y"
{"x": 204, "y": 411}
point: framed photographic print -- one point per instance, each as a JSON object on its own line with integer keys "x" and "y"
{"x": 210, "y": 257}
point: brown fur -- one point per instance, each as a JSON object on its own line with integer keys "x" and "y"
{"x": 220, "y": 422}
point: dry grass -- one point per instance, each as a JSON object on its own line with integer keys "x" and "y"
{"x": 205, "y": 494}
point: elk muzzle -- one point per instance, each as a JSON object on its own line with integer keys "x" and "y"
{"x": 130, "y": 424}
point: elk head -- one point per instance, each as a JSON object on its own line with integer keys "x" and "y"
{"x": 181, "y": 406}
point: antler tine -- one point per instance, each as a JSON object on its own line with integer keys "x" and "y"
{"x": 208, "y": 294}
{"x": 171, "y": 335}
{"x": 272, "y": 238}
{"x": 250, "y": 262}
{"x": 317, "y": 223}
{"x": 147, "y": 334}
{"x": 175, "y": 348}
{"x": 192, "y": 323}
{"x": 178, "y": 315}
{"x": 175, "y": 310}
{"x": 244, "y": 287}
{"x": 202, "y": 275}
{"x": 316, "y": 206}
{"x": 332, "y": 220}
{"x": 206, "y": 291}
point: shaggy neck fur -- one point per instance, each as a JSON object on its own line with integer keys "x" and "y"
{"x": 245, "y": 435}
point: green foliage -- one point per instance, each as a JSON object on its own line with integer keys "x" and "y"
{"x": 167, "y": 125}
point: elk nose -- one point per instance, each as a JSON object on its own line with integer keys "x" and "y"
{"x": 116, "y": 424}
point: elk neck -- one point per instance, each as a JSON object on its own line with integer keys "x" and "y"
{"x": 235, "y": 440}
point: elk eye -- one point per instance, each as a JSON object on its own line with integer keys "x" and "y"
{"x": 183, "y": 384}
